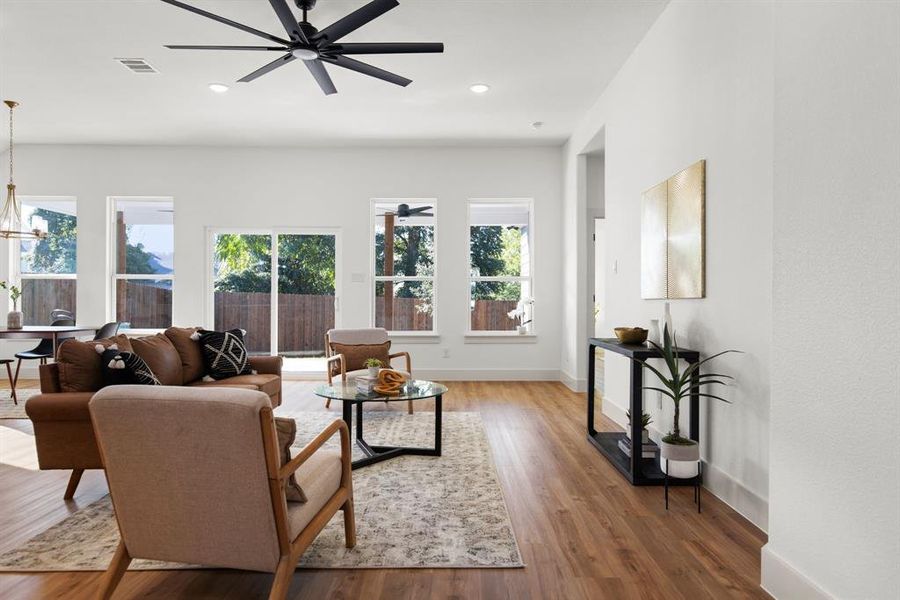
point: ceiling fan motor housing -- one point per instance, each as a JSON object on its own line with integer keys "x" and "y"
{"x": 305, "y": 4}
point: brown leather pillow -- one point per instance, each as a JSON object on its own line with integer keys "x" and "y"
{"x": 355, "y": 355}
{"x": 188, "y": 349}
{"x": 161, "y": 356}
{"x": 287, "y": 431}
{"x": 79, "y": 363}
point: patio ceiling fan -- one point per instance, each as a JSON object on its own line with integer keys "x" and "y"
{"x": 404, "y": 211}
{"x": 315, "y": 47}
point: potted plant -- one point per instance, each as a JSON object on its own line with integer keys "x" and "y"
{"x": 373, "y": 364}
{"x": 15, "y": 318}
{"x": 520, "y": 316}
{"x": 678, "y": 385}
{"x": 646, "y": 419}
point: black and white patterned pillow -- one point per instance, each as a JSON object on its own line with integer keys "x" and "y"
{"x": 224, "y": 353}
{"x": 126, "y": 368}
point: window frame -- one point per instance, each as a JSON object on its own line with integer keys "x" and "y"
{"x": 15, "y": 254}
{"x": 209, "y": 316}
{"x": 112, "y": 266}
{"x": 470, "y": 279}
{"x": 375, "y": 279}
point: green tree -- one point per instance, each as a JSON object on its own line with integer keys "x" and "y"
{"x": 56, "y": 253}
{"x": 413, "y": 255}
{"x": 305, "y": 264}
{"x": 496, "y": 251}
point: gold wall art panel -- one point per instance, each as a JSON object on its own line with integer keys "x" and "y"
{"x": 679, "y": 203}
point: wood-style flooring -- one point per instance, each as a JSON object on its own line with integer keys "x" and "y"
{"x": 583, "y": 531}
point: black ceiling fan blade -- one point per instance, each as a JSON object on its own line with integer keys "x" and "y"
{"x": 278, "y": 62}
{"x": 195, "y": 47}
{"x": 287, "y": 18}
{"x": 367, "y": 69}
{"x": 386, "y": 48}
{"x": 355, "y": 20}
{"x": 419, "y": 209}
{"x": 321, "y": 76}
{"x": 223, "y": 20}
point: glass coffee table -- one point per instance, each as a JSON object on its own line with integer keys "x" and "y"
{"x": 412, "y": 390}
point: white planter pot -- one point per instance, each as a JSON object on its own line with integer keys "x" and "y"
{"x": 522, "y": 329}
{"x": 678, "y": 460}
{"x": 15, "y": 319}
{"x": 373, "y": 371}
{"x": 645, "y": 435}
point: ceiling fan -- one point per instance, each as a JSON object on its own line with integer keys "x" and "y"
{"x": 315, "y": 47}
{"x": 404, "y": 211}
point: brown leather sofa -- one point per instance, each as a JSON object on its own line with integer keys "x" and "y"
{"x": 62, "y": 423}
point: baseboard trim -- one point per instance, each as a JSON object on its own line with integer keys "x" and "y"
{"x": 573, "y": 383}
{"x": 723, "y": 486}
{"x": 783, "y": 582}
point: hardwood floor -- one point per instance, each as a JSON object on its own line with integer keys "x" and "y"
{"x": 583, "y": 531}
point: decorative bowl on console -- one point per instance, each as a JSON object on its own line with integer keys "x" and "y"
{"x": 631, "y": 335}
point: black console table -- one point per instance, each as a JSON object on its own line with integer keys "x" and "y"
{"x": 636, "y": 469}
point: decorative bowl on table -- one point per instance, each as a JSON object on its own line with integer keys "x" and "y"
{"x": 631, "y": 335}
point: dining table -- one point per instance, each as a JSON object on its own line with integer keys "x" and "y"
{"x": 56, "y": 333}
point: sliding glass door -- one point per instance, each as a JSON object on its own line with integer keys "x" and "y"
{"x": 286, "y": 313}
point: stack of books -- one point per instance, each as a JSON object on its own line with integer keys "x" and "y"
{"x": 365, "y": 384}
{"x": 648, "y": 450}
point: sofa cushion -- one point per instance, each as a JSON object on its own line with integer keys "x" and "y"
{"x": 355, "y": 355}
{"x": 78, "y": 363}
{"x": 268, "y": 384}
{"x": 126, "y": 368}
{"x": 161, "y": 356}
{"x": 320, "y": 478}
{"x": 287, "y": 431}
{"x": 224, "y": 353}
{"x": 189, "y": 350}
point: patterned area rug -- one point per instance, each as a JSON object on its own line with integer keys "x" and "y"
{"x": 8, "y": 410}
{"x": 411, "y": 512}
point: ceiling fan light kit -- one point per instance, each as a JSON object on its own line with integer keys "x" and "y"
{"x": 316, "y": 47}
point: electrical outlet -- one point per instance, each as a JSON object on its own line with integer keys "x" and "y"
{"x": 616, "y": 266}
{"x": 445, "y": 352}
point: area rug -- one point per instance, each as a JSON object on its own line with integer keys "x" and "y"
{"x": 411, "y": 512}
{"x": 8, "y": 410}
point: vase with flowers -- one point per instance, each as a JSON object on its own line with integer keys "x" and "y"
{"x": 14, "y": 320}
{"x": 522, "y": 314}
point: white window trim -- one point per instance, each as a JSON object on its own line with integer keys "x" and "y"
{"x": 15, "y": 251}
{"x": 112, "y": 266}
{"x": 401, "y": 333}
{"x": 209, "y": 288}
{"x": 470, "y": 333}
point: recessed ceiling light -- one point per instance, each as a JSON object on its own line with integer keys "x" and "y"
{"x": 479, "y": 88}
{"x": 219, "y": 88}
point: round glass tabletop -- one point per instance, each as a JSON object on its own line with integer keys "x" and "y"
{"x": 412, "y": 390}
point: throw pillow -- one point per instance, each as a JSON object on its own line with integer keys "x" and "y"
{"x": 126, "y": 368}
{"x": 188, "y": 348}
{"x": 78, "y": 363}
{"x": 224, "y": 353}
{"x": 355, "y": 355}
{"x": 162, "y": 357}
{"x": 287, "y": 431}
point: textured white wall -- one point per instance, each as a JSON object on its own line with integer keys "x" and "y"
{"x": 699, "y": 85}
{"x": 318, "y": 188}
{"x": 835, "y": 474}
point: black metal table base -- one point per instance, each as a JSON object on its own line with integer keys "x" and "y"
{"x": 376, "y": 454}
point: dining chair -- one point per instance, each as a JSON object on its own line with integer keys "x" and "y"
{"x": 41, "y": 352}
{"x": 61, "y": 313}
{"x": 107, "y": 331}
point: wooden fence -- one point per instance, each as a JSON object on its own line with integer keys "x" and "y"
{"x": 302, "y": 319}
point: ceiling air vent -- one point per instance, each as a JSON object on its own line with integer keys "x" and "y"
{"x": 136, "y": 65}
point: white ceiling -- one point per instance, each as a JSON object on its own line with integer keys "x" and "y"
{"x": 545, "y": 61}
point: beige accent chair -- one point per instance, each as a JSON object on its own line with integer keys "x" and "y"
{"x": 195, "y": 477}
{"x": 358, "y": 337}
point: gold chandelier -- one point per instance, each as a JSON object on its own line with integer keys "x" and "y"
{"x": 11, "y": 216}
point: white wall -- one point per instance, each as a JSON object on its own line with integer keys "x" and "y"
{"x": 698, "y": 86}
{"x": 318, "y": 188}
{"x": 835, "y": 475}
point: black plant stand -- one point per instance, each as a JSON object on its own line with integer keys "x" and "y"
{"x": 636, "y": 469}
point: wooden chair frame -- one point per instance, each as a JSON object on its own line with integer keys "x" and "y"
{"x": 339, "y": 358}
{"x": 290, "y": 550}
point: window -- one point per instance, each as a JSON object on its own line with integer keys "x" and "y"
{"x": 500, "y": 265}
{"x": 47, "y": 268}
{"x": 404, "y": 265}
{"x": 143, "y": 251}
